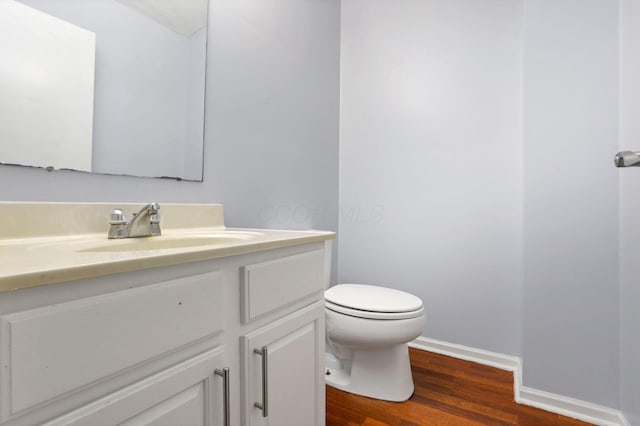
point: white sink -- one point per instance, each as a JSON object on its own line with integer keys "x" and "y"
{"x": 162, "y": 243}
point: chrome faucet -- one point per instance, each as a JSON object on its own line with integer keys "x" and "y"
{"x": 145, "y": 223}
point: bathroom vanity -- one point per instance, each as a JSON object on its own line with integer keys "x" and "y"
{"x": 205, "y": 326}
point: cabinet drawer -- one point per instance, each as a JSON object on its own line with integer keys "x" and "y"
{"x": 186, "y": 394}
{"x": 268, "y": 286}
{"x": 53, "y": 350}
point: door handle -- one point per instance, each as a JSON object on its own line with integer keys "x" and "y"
{"x": 224, "y": 373}
{"x": 264, "y": 406}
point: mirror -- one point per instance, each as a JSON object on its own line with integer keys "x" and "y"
{"x": 104, "y": 86}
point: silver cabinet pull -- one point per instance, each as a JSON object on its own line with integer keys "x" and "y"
{"x": 224, "y": 373}
{"x": 263, "y": 352}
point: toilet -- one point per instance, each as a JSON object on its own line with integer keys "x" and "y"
{"x": 368, "y": 328}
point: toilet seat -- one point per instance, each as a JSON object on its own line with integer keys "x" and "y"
{"x": 373, "y": 302}
{"x": 373, "y": 315}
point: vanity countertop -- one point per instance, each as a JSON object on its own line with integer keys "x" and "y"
{"x": 47, "y": 243}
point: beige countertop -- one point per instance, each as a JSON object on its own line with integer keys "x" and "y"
{"x": 46, "y": 243}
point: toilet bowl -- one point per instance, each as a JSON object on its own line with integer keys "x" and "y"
{"x": 368, "y": 328}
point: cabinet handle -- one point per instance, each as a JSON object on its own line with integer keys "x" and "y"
{"x": 263, "y": 352}
{"x": 224, "y": 373}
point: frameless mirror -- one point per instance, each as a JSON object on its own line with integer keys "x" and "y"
{"x": 104, "y": 86}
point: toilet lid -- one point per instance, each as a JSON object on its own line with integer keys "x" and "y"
{"x": 372, "y": 298}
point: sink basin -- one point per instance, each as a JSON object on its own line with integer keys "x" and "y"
{"x": 161, "y": 243}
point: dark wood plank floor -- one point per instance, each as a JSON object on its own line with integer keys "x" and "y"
{"x": 448, "y": 392}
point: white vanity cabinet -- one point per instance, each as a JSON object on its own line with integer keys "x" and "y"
{"x": 153, "y": 346}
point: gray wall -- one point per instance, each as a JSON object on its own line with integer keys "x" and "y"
{"x": 271, "y": 124}
{"x": 630, "y": 210}
{"x": 430, "y": 161}
{"x": 571, "y": 200}
{"x": 476, "y": 144}
{"x": 273, "y": 113}
{"x": 273, "y": 109}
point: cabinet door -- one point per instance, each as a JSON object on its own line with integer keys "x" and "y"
{"x": 187, "y": 394}
{"x": 294, "y": 393}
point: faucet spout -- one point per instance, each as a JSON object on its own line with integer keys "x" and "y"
{"x": 145, "y": 223}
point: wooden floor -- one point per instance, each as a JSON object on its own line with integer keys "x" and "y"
{"x": 448, "y": 391}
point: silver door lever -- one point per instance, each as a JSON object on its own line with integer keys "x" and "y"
{"x": 627, "y": 159}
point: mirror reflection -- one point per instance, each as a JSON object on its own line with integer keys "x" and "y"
{"x": 104, "y": 86}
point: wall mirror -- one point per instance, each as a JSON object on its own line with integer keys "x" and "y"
{"x": 104, "y": 86}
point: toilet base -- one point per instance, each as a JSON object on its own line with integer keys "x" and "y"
{"x": 383, "y": 373}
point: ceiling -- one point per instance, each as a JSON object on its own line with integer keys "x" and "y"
{"x": 182, "y": 16}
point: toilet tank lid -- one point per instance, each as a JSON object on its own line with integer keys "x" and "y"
{"x": 372, "y": 298}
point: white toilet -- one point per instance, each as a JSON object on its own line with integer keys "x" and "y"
{"x": 368, "y": 328}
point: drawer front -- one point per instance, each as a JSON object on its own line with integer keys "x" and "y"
{"x": 53, "y": 350}
{"x": 275, "y": 284}
{"x": 186, "y": 394}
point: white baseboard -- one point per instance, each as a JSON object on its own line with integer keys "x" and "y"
{"x": 581, "y": 410}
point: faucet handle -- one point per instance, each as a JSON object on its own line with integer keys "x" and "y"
{"x": 154, "y": 218}
{"x": 118, "y": 217}
{"x": 154, "y": 212}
